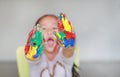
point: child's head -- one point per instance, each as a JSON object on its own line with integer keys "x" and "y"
{"x": 48, "y": 24}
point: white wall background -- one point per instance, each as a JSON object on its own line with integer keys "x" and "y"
{"x": 97, "y": 24}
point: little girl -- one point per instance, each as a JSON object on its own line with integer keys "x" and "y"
{"x": 50, "y": 48}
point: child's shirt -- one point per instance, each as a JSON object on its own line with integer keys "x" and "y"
{"x": 59, "y": 67}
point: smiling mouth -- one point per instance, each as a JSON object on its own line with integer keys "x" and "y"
{"x": 50, "y": 42}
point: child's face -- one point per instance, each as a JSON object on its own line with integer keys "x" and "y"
{"x": 49, "y": 26}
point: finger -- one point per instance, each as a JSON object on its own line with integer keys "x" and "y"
{"x": 60, "y": 38}
{"x": 60, "y": 42}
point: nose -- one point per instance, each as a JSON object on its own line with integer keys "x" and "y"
{"x": 49, "y": 32}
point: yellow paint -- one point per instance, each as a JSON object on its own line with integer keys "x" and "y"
{"x": 58, "y": 35}
{"x": 66, "y": 24}
{"x": 31, "y": 53}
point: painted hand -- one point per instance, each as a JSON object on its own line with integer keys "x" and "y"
{"x": 66, "y": 36}
{"x": 34, "y": 47}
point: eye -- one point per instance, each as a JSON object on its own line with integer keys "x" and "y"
{"x": 43, "y": 28}
{"x": 55, "y": 28}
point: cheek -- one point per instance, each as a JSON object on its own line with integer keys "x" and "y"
{"x": 54, "y": 31}
{"x": 44, "y": 36}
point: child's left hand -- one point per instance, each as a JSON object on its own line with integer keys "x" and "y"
{"x": 66, "y": 36}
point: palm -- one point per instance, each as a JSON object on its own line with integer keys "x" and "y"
{"x": 34, "y": 47}
{"x": 66, "y": 36}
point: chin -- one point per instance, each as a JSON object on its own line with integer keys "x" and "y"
{"x": 50, "y": 49}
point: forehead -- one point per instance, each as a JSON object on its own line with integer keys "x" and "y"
{"x": 48, "y": 19}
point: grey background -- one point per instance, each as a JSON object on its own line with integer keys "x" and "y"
{"x": 96, "y": 22}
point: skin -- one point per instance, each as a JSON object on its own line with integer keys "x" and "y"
{"x": 49, "y": 26}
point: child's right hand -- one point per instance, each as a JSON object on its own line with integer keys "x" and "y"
{"x": 34, "y": 47}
